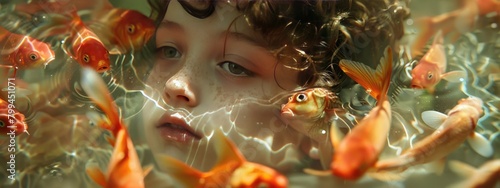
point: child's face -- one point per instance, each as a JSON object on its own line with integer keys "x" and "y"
{"x": 209, "y": 77}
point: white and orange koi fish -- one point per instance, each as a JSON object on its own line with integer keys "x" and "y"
{"x": 124, "y": 169}
{"x": 432, "y": 67}
{"x": 454, "y": 129}
{"x": 488, "y": 175}
{"x": 232, "y": 170}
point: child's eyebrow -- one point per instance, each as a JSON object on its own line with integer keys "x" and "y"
{"x": 170, "y": 25}
{"x": 246, "y": 38}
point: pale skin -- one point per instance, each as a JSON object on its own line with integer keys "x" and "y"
{"x": 219, "y": 79}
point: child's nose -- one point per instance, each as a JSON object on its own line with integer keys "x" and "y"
{"x": 179, "y": 93}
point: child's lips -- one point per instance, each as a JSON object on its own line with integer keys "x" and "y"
{"x": 174, "y": 128}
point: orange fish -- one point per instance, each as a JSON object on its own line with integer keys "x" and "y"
{"x": 311, "y": 105}
{"x": 124, "y": 169}
{"x": 82, "y": 44}
{"x": 461, "y": 20}
{"x": 231, "y": 170}
{"x": 453, "y": 130}
{"x": 124, "y": 30}
{"x": 431, "y": 68}
{"x": 87, "y": 48}
{"x": 359, "y": 150}
{"x": 488, "y": 175}
{"x": 11, "y": 120}
{"x": 120, "y": 30}
{"x": 309, "y": 112}
{"x": 22, "y": 52}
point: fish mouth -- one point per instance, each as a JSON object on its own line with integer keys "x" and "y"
{"x": 416, "y": 86}
{"x": 173, "y": 128}
{"x": 102, "y": 66}
{"x": 286, "y": 111}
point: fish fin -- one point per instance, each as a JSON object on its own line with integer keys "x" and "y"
{"x": 461, "y": 168}
{"x": 180, "y": 171}
{"x": 426, "y": 27}
{"x": 96, "y": 89}
{"x": 375, "y": 81}
{"x": 433, "y": 119}
{"x": 225, "y": 149}
{"x": 393, "y": 164}
{"x": 96, "y": 174}
{"x": 98, "y": 119}
{"x": 120, "y": 146}
{"x": 386, "y": 176}
{"x": 436, "y": 166}
{"x": 480, "y": 144}
{"x": 438, "y": 37}
{"x": 335, "y": 135}
{"x": 111, "y": 140}
{"x": 362, "y": 74}
{"x": 317, "y": 172}
{"x": 431, "y": 89}
{"x": 147, "y": 169}
{"x": 454, "y": 76}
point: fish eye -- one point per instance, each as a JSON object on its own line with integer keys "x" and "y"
{"x": 2, "y": 124}
{"x": 33, "y": 56}
{"x": 86, "y": 58}
{"x": 131, "y": 28}
{"x": 429, "y": 75}
{"x": 301, "y": 97}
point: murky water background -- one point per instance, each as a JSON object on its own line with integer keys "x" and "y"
{"x": 63, "y": 141}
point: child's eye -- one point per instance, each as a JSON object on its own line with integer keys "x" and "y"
{"x": 235, "y": 69}
{"x": 169, "y": 52}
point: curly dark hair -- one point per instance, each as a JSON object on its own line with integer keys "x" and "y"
{"x": 313, "y": 36}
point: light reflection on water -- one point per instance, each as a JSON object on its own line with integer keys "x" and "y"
{"x": 63, "y": 141}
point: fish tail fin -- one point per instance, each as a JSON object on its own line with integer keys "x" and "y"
{"x": 225, "y": 149}
{"x": 96, "y": 89}
{"x": 438, "y": 38}
{"x": 426, "y": 27}
{"x": 96, "y": 174}
{"x": 385, "y": 73}
{"x": 376, "y": 82}
{"x": 461, "y": 168}
{"x": 180, "y": 171}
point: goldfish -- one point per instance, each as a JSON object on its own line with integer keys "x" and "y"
{"x": 312, "y": 104}
{"x": 453, "y": 130}
{"x": 120, "y": 30}
{"x": 309, "y": 112}
{"x": 11, "y": 120}
{"x": 432, "y": 67}
{"x": 358, "y": 151}
{"x": 231, "y": 169}
{"x": 462, "y": 20}
{"x": 124, "y": 169}
{"x": 123, "y": 30}
{"x": 87, "y": 49}
{"x": 488, "y": 175}
{"x": 22, "y": 52}
{"x": 81, "y": 43}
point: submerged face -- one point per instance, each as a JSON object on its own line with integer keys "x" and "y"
{"x": 212, "y": 75}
